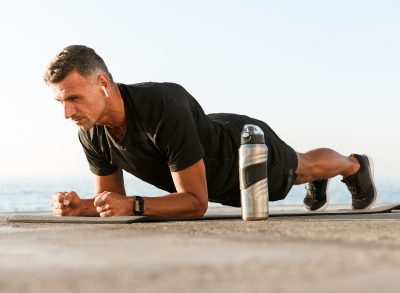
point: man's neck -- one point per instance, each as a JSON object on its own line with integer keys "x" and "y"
{"x": 117, "y": 133}
{"x": 114, "y": 118}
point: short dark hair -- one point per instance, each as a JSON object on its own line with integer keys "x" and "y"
{"x": 76, "y": 57}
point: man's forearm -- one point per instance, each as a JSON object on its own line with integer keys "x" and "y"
{"x": 175, "y": 205}
{"x": 88, "y": 209}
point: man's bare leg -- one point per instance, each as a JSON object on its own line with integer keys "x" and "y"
{"x": 324, "y": 163}
{"x": 318, "y": 165}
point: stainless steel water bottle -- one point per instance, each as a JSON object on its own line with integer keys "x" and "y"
{"x": 253, "y": 154}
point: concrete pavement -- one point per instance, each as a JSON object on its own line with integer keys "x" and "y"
{"x": 285, "y": 254}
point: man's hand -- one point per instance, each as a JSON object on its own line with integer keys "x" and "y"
{"x": 113, "y": 204}
{"x": 66, "y": 204}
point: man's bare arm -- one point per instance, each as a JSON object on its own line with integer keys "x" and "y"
{"x": 112, "y": 183}
{"x": 190, "y": 200}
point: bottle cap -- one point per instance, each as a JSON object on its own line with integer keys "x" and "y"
{"x": 252, "y": 134}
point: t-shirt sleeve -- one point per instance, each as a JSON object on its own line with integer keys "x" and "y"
{"x": 98, "y": 163}
{"x": 176, "y": 133}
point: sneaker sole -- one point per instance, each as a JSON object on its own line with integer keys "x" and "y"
{"x": 323, "y": 208}
{"x": 370, "y": 168}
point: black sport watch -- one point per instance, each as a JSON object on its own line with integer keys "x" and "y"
{"x": 138, "y": 206}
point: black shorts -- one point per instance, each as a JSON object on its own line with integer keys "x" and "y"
{"x": 282, "y": 159}
{"x": 282, "y": 164}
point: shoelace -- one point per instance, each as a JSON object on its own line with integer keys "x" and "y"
{"x": 352, "y": 189}
{"x": 311, "y": 190}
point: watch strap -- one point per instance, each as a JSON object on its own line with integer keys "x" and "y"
{"x": 138, "y": 206}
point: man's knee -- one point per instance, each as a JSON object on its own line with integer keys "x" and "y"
{"x": 306, "y": 169}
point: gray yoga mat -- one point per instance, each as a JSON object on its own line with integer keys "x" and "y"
{"x": 29, "y": 218}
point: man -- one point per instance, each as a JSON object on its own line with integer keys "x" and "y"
{"x": 159, "y": 133}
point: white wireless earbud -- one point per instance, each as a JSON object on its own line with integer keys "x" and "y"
{"x": 104, "y": 90}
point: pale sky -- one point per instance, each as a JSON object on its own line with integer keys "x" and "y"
{"x": 320, "y": 73}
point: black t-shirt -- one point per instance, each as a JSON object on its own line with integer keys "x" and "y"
{"x": 167, "y": 130}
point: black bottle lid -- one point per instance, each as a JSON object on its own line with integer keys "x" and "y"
{"x": 252, "y": 134}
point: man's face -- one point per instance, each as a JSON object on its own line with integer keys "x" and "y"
{"x": 82, "y": 98}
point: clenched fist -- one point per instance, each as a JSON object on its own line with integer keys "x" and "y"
{"x": 113, "y": 204}
{"x": 66, "y": 204}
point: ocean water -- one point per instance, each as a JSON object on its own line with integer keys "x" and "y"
{"x": 34, "y": 194}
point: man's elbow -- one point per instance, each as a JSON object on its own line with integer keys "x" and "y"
{"x": 201, "y": 207}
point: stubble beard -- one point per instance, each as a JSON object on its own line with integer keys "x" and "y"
{"x": 87, "y": 125}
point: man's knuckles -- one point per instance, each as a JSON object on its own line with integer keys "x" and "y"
{"x": 102, "y": 198}
{"x": 58, "y": 205}
{"x": 58, "y": 196}
{"x": 107, "y": 213}
{"x": 61, "y": 212}
{"x": 98, "y": 200}
{"x": 103, "y": 208}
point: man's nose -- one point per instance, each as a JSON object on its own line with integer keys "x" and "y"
{"x": 69, "y": 110}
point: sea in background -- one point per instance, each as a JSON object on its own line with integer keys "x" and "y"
{"x": 34, "y": 194}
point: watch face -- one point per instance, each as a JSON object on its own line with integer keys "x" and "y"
{"x": 137, "y": 207}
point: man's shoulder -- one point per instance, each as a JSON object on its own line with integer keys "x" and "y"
{"x": 152, "y": 87}
{"x": 153, "y": 96}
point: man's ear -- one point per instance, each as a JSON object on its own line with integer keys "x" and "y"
{"x": 104, "y": 83}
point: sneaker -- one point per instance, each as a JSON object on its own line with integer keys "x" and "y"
{"x": 361, "y": 185}
{"x": 316, "y": 198}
